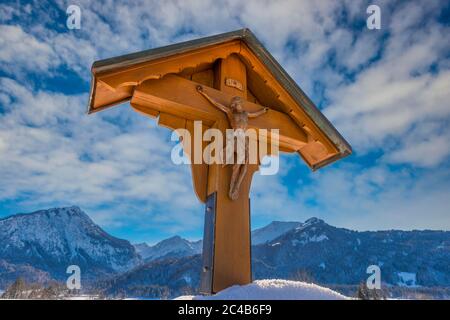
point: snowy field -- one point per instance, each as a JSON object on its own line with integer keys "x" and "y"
{"x": 274, "y": 289}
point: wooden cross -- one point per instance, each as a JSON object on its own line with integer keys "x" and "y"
{"x": 162, "y": 83}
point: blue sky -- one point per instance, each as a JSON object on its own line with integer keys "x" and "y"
{"x": 387, "y": 91}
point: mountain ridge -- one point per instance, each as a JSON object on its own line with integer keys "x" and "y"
{"x": 177, "y": 246}
{"x": 41, "y": 244}
{"x": 51, "y": 240}
{"x": 316, "y": 252}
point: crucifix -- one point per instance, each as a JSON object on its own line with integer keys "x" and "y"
{"x": 227, "y": 81}
{"x": 238, "y": 119}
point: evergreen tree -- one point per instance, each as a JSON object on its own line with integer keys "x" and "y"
{"x": 365, "y": 293}
{"x": 17, "y": 290}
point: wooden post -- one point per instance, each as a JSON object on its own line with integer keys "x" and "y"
{"x": 231, "y": 254}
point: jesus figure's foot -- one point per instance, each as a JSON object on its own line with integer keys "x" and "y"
{"x": 233, "y": 194}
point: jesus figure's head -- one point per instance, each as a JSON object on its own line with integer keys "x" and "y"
{"x": 237, "y": 104}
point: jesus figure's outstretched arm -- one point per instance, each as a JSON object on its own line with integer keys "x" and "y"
{"x": 213, "y": 102}
{"x": 258, "y": 113}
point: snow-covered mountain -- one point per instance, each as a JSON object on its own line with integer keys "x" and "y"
{"x": 314, "y": 251}
{"x": 272, "y": 230}
{"x": 177, "y": 247}
{"x": 39, "y": 246}
{"x": 174, "y": 247}
{"x": 341, "y": 256}
{"x": 48, "y": 241}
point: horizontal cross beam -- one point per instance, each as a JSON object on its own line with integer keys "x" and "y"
{"x": 178, "y": 97}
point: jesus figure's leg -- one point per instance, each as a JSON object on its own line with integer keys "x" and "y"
{"x": 234, "y": 179}
{"x": 242, "y": 172}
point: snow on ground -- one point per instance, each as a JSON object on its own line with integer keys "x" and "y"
{"x": 273, "y": 289}
{"x": 82, "y": 297}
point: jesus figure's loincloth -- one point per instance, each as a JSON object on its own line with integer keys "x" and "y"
{"x": 237, "y": 139}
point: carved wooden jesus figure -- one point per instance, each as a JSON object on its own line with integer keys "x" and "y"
{"x": 238, "y": 119}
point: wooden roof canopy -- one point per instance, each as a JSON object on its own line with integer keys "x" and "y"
{"x": 145, "y": 78}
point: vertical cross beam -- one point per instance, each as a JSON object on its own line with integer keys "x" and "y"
{"x": 227, "y": 243}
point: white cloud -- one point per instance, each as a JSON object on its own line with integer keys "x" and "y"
{"x": 52, "y": 153}
{"x": 396, "y": 94}
{"x": 352, "y": 52}
{"x": 22, "y": 50}
{"x": 426, "y": 153}
{"x": 355, "y": 197}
